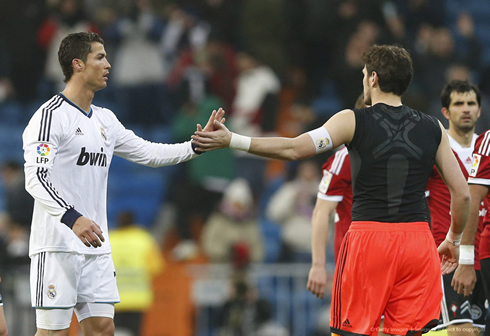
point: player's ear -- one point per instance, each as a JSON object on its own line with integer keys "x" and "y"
{"x": 445, "y": 113}
{"x": 374, "y": 79}
{"x": 77, "y": 64}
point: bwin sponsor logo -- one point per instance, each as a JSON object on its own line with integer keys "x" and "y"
{"x": 93, "y": 159}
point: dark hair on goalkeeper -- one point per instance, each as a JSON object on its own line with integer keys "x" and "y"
{"x": 392, "y": 64}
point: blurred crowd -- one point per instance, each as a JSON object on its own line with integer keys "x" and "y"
{"x": 277, "y": 67}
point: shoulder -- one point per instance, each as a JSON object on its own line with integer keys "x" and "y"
{"x": 53, "y": 104}
{"x": 104, "y": 113}
{"x": 482, "y": 143}
{"x": 102, "y": 110}
{"x": 49, "y": 112}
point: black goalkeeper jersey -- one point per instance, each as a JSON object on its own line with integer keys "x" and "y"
{"x": 392, "y": 154}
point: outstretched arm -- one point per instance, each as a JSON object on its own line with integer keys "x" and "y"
{"x": 340, "y": 128}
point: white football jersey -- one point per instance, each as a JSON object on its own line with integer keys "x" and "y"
{"x": 67, "y": 156}
{"x": 465, "y": 154}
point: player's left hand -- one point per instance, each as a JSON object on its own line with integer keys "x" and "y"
{"x": 210, "y": 126}
{"x": 450, "y": 256}
{"x": 217, "y": 139}
{"x": 464, "y": 279}
{"x": 317, "y": 281}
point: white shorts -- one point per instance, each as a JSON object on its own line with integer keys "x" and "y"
{"x": 61, "y": 279}
{"x": 59, "y": 319}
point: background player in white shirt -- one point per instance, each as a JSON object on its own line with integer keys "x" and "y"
{"x": 461, "y": 103}
{"x": 68, "y": 148}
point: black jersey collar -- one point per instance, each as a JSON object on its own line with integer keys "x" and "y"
{"x": 76, "y": 106}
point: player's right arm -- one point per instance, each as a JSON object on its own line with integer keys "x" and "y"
{"x": 464, "y": 278}
{"x": 451, "y": 173}
{"x": 41, "y": 141}
{"x": 339, "y": 129}
{"x": 317, "y": 279}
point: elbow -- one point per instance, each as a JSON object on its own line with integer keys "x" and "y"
{"x": 29, "y": 186}
{"x": 466, "y": 198}
{"x": 465, "y": 195}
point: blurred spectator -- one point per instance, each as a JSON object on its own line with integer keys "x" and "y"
{"x": 292, "y": 206}
{"x": 19, "y": 22}
{"x": 223, "y": 17}
{"x": 416, "y": 13}
{"x": 67, "y": 17}
{"x": 347, "y": 68}
{"x": 138, "y": 69}
{"x": 246, "y": 314}
{"x": 436, "y": 52}
{"x": 19, "y": 206}
{"x": 234, "y": 223}
{"x": 3, "y": 324}
{"x": 14, "y": 248}
{"x": 215, "y": 65}
{"x": 136, "y": 267}
{"x": 296, "y": 115}
{"x": 263, "y": 32}
{"x": 6, "y": 86}
{"x": 200, "y": 183}
{"x": 184, "y": 29}
{"x": 19, "y": 203}
{"x": 254, "y": 113}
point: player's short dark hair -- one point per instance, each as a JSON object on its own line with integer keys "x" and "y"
{"x": 76, "y": 46}
{"x": 459, "y": 86}
{"x": 393, "y": 65}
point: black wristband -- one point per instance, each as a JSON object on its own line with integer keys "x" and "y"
{"x": 194, "y": 146}
{"x": 70, "y": 217}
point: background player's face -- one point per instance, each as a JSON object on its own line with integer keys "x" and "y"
{"x": 367, "y": 87}
{"x": 463, "y": 110}
{"x": 96, "y": 68}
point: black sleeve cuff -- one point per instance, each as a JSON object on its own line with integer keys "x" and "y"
{"x": 70, "y": 217}
{"x": 194, "y": 146}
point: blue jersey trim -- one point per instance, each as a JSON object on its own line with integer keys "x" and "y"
{"x": 76, "y": 106}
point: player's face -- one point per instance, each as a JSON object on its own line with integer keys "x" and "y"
{"x": 97, "y": 67}
{"x": 367, "y": 87}
{"x": 463, "y": 111}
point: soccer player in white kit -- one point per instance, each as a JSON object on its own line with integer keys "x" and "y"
{"x": 68, "y": 148}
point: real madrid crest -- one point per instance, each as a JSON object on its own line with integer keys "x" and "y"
{"x": 51, "y": 292}
{"x": 322, "y": 143}
{"x": 103, "y": 134}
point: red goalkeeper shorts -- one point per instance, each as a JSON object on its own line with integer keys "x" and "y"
{"x": 386, "y": 268}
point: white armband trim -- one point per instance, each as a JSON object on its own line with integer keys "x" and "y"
{"x": 467, "y": 255}
{"x": 454, "y": 238}
{"x": 240, "y": 142}
{"x": 321, "y": 139}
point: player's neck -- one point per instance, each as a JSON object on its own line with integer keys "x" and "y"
{"x": 79, "y": 95}
{"x": 377, "y": 96}
{"x": 464, "y": 138}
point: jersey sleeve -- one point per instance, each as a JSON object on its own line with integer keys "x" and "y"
{"x": 480, "y": 170}
{"x": 336, "y": 177}
{"x": 41, "y": 141}
{"x": 135, "y": 149}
